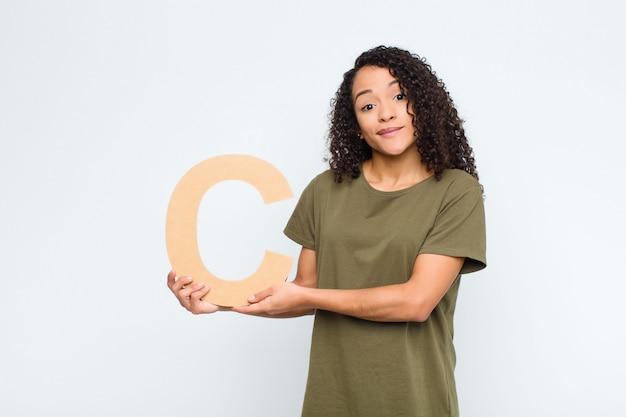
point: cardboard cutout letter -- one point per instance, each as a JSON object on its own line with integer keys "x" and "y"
{"x": 182, "y": 225}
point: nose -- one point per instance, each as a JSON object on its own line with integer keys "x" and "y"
{"x": 386, "y": 112}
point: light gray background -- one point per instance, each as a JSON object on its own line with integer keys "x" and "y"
{"x": 104, "y": 105}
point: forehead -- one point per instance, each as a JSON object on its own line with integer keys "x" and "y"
{"x": 372, "y": 78}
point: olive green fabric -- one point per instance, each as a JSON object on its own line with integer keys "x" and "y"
{"x": 364, "y": 238}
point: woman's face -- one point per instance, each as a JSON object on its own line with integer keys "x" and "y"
{"x": 381, "y": 111}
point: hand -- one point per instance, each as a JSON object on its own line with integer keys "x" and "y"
{"x": 190, "y": 295}
{"x": 281, "y": 298}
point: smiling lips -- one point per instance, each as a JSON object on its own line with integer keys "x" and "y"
{"x": 387, "y": 132}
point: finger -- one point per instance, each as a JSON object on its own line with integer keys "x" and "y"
{"x": 198, "y": 290}
{"x": 260, "y": 296}
{"x": 176, "y": 283}
{"x": 253, "y": 309}
{"x": 260, "y": 309}
{"x": 183, "y": 290}
{"x": 171, "y": 278}
{"x": 181, "y": 284}
{"x": 196, "y": 305}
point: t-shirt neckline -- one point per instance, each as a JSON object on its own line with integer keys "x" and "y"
{"x": 401, "y": 191}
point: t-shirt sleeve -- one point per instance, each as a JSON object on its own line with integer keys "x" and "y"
{"x": 459, "y": 229}
{"x": 301, "y": 225}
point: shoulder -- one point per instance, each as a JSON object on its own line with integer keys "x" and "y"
{"x": 324, "y": 181}
{"x": 458, "y": 176}
{"x": 320, "y": 184}
{"x": 326, "y": 177}
{"x": 456, "y": 187}
{"x": 457, "y": 180}
{"x": 323, "y": 187}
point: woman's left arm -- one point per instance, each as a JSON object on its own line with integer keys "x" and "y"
{"x": 414, "y": 300}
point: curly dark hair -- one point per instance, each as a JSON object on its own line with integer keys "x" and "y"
{"x": 441, "y": 140}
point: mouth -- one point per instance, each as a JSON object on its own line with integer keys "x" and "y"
{"x": 389, "y": 131}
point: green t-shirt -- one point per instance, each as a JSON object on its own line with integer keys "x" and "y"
{"x": 364, "y": 238}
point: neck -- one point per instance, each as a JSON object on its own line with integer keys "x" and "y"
{"x": 395, "y": 174}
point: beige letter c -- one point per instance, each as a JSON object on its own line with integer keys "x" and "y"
{"x": 182, "y": 224}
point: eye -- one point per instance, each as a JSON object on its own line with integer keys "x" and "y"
{"x": 367, "y": 107}
{"x": 400, "y": 96}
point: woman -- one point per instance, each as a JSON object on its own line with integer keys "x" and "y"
{"x": 386, "y": 234}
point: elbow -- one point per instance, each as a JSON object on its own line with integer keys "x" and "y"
{"x": 421, "y": 316}
{"x": 418, "y": 306}
{"x": 420, "y": 312}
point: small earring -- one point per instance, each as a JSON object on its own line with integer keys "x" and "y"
{"x": 360, "y": 135}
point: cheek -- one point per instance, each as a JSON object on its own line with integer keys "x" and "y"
{"x": 365, "y": 120}
{"x": 406, "y": 109}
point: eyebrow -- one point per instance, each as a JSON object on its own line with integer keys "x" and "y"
{"x": 360, "y": 93}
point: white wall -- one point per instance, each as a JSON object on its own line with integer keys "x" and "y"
{"x": 105, "y": 105}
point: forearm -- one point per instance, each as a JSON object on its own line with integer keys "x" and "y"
{"x": 392, "y": 303}
{"x": 413, "y": 300}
